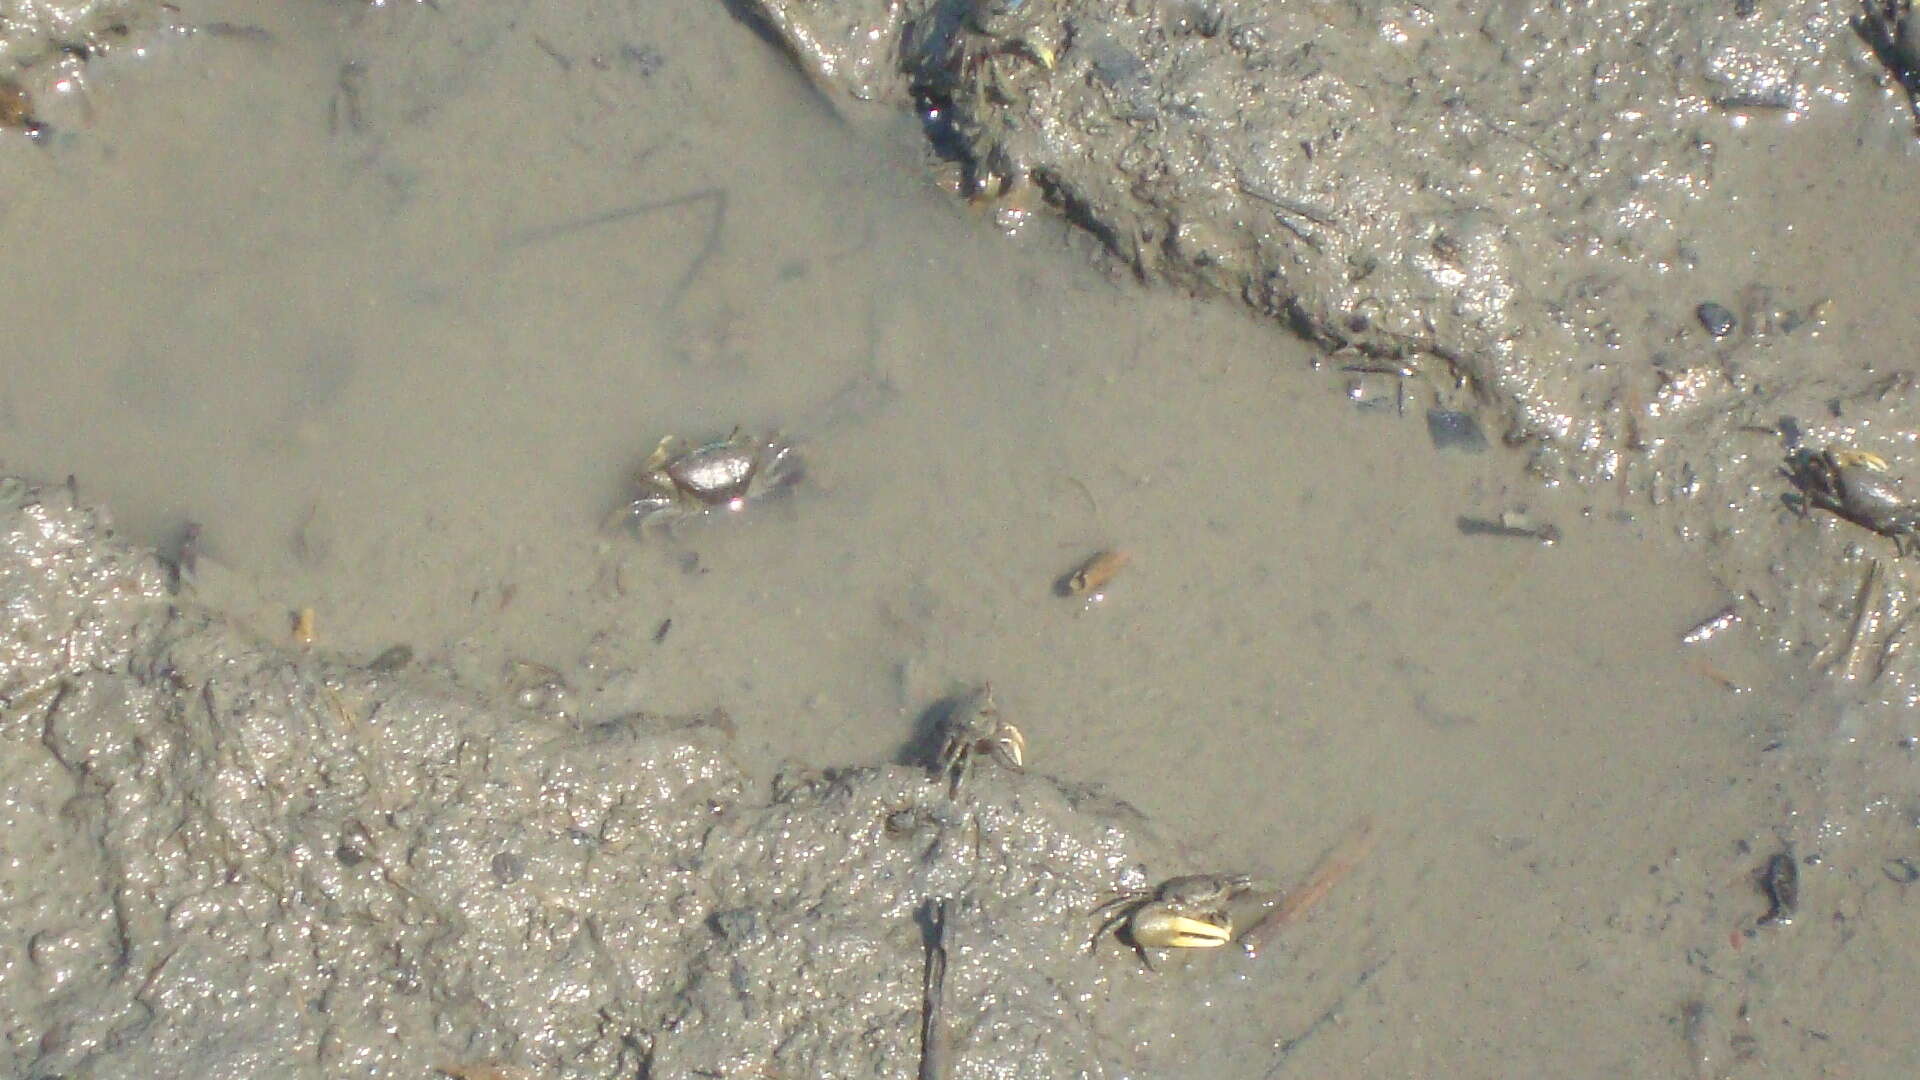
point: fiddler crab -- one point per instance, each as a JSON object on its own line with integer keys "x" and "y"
{"x": 1855, "y": 485}
{"x": 678, "y": 482}
{"x": 969, "y": 41}
{"x": 972, "y": 727}
{"x": 1009, "y": 27}
{"x": 1187, "y": 912}
{"x": 985, "y": 52}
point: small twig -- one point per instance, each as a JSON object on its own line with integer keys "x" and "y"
{"x": 1330, "y": 871}
{"x": 1892, "y": 647}
{"x": 936, "y": 1051}
{"x": 717, "y": 197}
{"x": 484, "y": 1070}
{"x": 1475, "y": 526}
{"x": 1286, "y": 1048}
{"x": 1283, "y": 207}
{"x": 347, "y": 111}
{"x": 1504, "y": 128}
{"x": 153, "y": 974}
{"x": 1706, "y": 628}
{"x": 1291, "y": 206}
{"x": 1864, "y": 600}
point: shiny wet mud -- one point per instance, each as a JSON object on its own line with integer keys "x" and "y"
{"x": 401, "y": 381}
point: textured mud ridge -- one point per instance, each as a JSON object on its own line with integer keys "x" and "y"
{"x": 1520, "y": 208}
{"x": 33, "y": 32}
{"x": 230, "y": 862}
{"x": 1501, "y": 192}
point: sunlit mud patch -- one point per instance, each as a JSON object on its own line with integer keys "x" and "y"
{"x": 49, "y": 53}
{"x": 274, "y": 865}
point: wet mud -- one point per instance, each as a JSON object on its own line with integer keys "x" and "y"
{"x": 273, "y": 866}
{"x": 1509, "y": 599}
{"x": 1525, "y": 210}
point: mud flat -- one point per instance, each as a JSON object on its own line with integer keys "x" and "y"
{"x": 365, "y": 315}
{"x": 1637, "y": 240}
{"x": 230, "y": 862}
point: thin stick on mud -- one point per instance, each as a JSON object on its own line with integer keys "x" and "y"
{"x": 1333, "y": 867}
{"x": 1893, "y": 647}
{"x": 714, "y": 198}
{"x": 1284, "y": 1050}
{"x": 1866, "y": 616}
{"x": 936, "y": 1053}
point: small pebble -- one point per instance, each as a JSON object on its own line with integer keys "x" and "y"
{"x": 507, "y": 867}
{"x": 1901, "y": 871}
{"x": 1717, "y": 319}
{"x": 1455, "y": 431}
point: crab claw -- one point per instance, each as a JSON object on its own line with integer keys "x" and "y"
{"x": 670, "y": 447}
{"x": 1009, "y": 747}
{"x": 1866, "y": 459}
{"x": 1041, "y": 52}
{"x": 1154, "y": 927}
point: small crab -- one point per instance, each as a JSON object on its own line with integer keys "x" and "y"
{"x": 1187, "y": 912}
{"x": 1855, "y": 485}
{"x": 987, "y": 37}
{"x": 1025, "y": 27}
{"x": 726, "y": 474}
{"x": 971, "y": 727}
{"x": 1892, "y": 31}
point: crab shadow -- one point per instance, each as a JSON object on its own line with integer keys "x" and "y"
{"x": 927, "y": 737}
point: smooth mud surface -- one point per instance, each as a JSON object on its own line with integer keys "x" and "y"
{"x": 376, "y": 312}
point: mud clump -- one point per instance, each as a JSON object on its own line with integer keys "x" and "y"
{"x": 1497, "y": 203}
{"x": 231, "y": 862}
{"x": 1494, "y": 196}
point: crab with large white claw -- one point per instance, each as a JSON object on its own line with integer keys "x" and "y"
{"x": 678, "y": 482}
{"x": 1187, "y": 912}
{"x": 972, "y": 727}
{"x": 1856, "y": 485}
